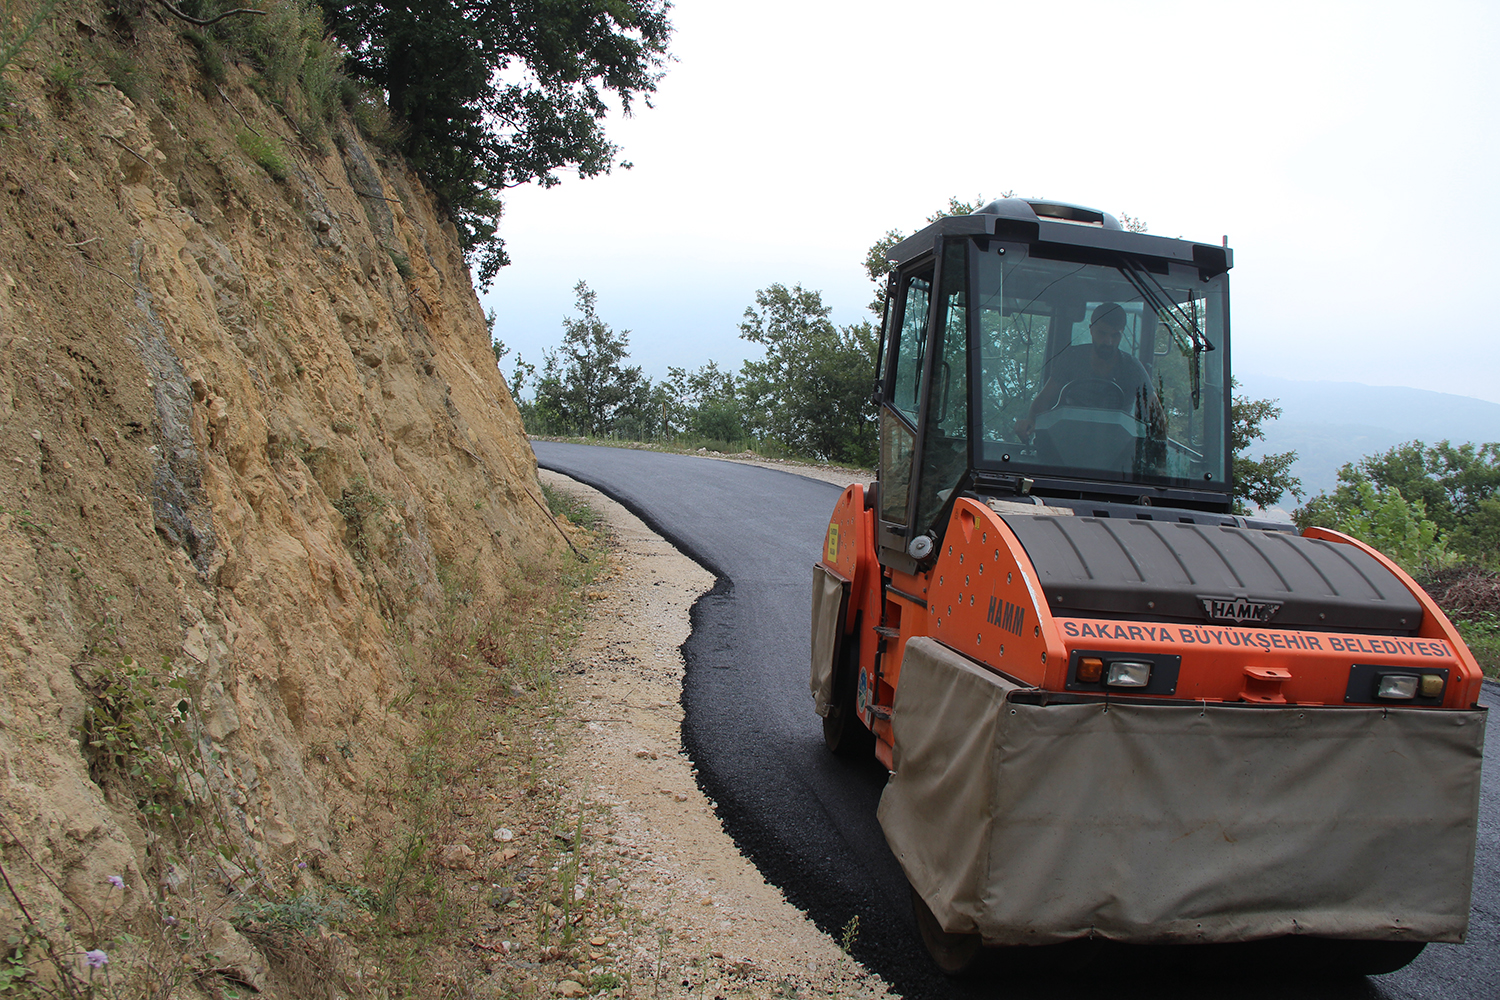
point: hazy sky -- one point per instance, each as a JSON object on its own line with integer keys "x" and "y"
{"x": 1347, "y": 150}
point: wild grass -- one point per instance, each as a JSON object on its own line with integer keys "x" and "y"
{"x": 301, "y": 66}
{"x": 564, "y": 504}
{"x": 486, "y": 696}
{"x": 14, "y": 38}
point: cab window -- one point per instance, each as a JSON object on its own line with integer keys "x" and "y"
{"x": 911, "y": 343}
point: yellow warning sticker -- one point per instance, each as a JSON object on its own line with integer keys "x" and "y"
{"x": 832, "y": 553}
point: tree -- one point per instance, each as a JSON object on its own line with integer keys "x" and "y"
{"x": 703, "y": 401}
{"x": 877, "y": 266}
{"x": 493, "y": 94}
{"x": 1394, "y": 526}
{"x": 811, "y": 392}
{"x": 1458, "y": 487}
{"x": 1263, "y": 481}
{"x": 586, "y": 387}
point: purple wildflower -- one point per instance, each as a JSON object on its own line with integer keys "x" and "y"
{"x": 116, "y": 881}
{"x": 97, "y": 959}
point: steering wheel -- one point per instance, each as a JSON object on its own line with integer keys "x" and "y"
{"x": 1092, "y": 394}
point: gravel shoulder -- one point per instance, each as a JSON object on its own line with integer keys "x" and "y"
{"x": 716, "y": 928}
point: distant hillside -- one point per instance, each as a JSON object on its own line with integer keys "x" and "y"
{"x": 1331, "y": 423}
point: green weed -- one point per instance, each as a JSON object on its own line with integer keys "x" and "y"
{"x": 402, "y": 262}
{"x": 850, "y": 935}
{"x": 133, "y": 736}
{"x": 266, "y": 151}
{"x": 210, "y": 56}
{"x": 1481, "y": 633}
{"x": 12, "y": 44}
{"x": 299, "y": 66}
{"x": 303, "y": 913}
{"x": 66, "y": 81}
{"x": 358, "y": 503}
{"x": 563, "y": 504}
{"x": 123, "y": 72}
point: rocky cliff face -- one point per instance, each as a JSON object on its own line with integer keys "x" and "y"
{"x": 253, "y": 439}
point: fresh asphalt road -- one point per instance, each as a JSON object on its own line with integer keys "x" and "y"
{"x": 807, "y": 819}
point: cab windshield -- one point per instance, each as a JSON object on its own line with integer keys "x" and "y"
{"x": 1112, "y": 370}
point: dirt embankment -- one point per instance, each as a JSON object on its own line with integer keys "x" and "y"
{"x": 254, "y": 441}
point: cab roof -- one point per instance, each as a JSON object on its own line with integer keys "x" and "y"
{"x": 1028, "y": 221}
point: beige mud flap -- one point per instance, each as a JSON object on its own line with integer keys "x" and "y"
{"x": 1177, "y": 822}
{"x": 830, "y": 602}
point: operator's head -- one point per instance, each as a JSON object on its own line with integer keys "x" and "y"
{"x": 1105, "y": 326}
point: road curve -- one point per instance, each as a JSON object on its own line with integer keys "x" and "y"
{"x": 807, "y": 819}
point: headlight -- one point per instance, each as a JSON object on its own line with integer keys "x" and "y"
{"x": 1121, "y": 672}
{"x": 1396, "y": 686}
{"x": 1130, "y": 673}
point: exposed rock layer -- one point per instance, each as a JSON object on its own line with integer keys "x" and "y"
{"x": 254, "y": 437}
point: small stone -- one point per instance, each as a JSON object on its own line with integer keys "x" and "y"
{"x": 569, "y": 988}
{"x": 646, "y": 754}
{"x": 598, "y": 942}
{"x": 502, "y": 835}
{"x": 679, "y": 796}
{"x": 458, "y": 856}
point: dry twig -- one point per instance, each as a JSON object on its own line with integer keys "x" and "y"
{"x": 202, "y": 23}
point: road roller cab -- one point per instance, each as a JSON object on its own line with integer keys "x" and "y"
{"x": 1111, "y": 706}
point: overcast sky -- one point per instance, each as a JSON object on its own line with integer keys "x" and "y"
{"x": 1349, "y": 152}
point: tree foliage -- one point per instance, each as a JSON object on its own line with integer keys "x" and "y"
{"x": 1457, "y": 487}
{"x": 877, "y": 266}
{"x": 811, "y": 391}
{"x": 497, "y": 93}
{"x": 586, "y": 387}
{"x": 703, "y": 402}
{"x": 1262, "y": 481}
{"x": 1395, "y": 526}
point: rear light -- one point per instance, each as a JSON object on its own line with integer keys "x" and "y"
{"x": 1090, "y": 669}
{"x": 1128, "y": 673}
{"x": 1394, "y": 687}
{"x": 1432, "y": 685}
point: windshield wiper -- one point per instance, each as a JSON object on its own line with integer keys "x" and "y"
{"x": 1151, "y": 290}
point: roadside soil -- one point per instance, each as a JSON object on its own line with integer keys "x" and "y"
{"x": 705, "y": 922}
